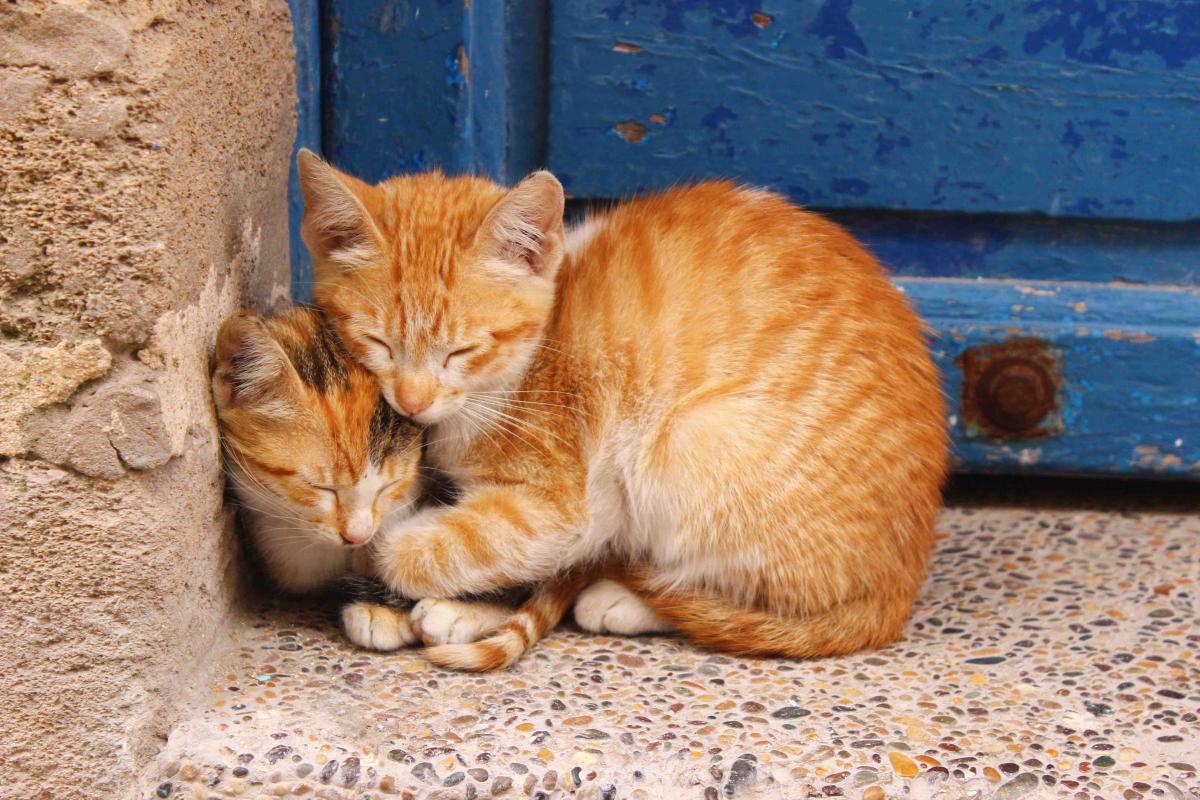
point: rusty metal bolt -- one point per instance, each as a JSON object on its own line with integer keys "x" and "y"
{"x": 1015, "y": 394}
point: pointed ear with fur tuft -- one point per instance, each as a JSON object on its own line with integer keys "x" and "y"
{"x": 524, "y": 231}
{"x": 337, "y": 226}
{"x": 252, "y": 371}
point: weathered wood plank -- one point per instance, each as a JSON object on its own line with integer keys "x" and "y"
{"x": 394, "y": 73}
{"x": 431, "y": 83}
{"x": 1072, "y": 108}
{"x": 502, "y": 112}
{"x": 306, "y": 38}
{"x": 1131, "y": 371}
{"x": 1001, "y": 246}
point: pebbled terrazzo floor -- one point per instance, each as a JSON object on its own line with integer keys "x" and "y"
{"x": 1055, "y": 652}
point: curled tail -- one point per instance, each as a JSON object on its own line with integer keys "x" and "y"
{"x": 710, "y": 621}
{"x": 525, "y": 626}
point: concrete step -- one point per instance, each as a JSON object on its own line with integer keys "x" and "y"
{"x": 1053, "y": 653}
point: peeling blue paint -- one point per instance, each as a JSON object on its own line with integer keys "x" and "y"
{"x": 734, "y": 16}
{"x": 420, "y": 84}
{"x": 377, "y": 123}
{"x": 1128, "y": 394}
{"x": 306, "y": 38}
{"x": 1057, "y": 131}
{"x": 994, "y": 246}
{"x": 1115, "y": 33}
{"x": 454, "y": 76}
{"x": 832, "y": 24}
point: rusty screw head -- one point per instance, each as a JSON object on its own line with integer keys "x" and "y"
{"x": 1015, "y": 394}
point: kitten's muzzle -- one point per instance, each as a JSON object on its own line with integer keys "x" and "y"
{"x": 358, "y": 529}
{"x": 413, "y": 393}
{"x": 411, "y": 408}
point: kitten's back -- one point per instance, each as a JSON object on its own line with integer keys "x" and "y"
{"x": 743, "y": 331}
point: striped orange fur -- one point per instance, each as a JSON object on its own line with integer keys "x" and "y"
{"x": 710, "y": 385}
{"x": 524, "y": 627}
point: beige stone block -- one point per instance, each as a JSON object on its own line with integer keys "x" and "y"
{"x": 74, "y": 42}
{"x": 40, "y": 377}
{"x": 18, "y": 89}
{"x": 144, "y": 200}
{"x": 99, "y": 117}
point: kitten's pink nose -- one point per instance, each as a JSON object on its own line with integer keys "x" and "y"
{"x": 414, "y": 393}
{"x": 358, "y": 529}
{"x": 413, "y": 407}
{"x": 355, "y": 537}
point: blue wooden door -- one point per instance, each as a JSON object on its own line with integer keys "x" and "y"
{"x": 1027, "y": 170}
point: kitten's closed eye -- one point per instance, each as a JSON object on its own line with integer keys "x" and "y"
{"x": 326, "y": 495}
{"x": 389, "y": 487}
{"x": 375, "y": 340}
{"x": 334, "y": 490}
{"x": 459, "y": 353}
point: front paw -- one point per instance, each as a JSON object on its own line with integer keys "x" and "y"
{"x": 437, "y": 621}
{"x": 401, "y": 558}
{"x": 377, "y": 627}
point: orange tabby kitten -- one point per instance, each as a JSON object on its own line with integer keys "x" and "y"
{"x": 716, "y": 394}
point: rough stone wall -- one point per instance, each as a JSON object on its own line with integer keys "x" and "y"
{"x": 144, "y": 149}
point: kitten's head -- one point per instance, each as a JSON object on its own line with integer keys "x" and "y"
{"x": 440, "y": 286}
{"x": 307, "y": 435}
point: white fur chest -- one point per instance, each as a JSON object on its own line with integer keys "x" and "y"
{"x": 446, "y": 446}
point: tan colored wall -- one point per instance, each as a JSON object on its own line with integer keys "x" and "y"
{"x": 144, "y": 149}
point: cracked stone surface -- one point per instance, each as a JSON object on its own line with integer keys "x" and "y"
{"x": 1053, "y": 653}
{"x": 144, "y": 158}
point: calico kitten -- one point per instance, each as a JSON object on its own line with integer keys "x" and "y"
{"x": 713, "y": 396}
{"x": 316, "y": 456}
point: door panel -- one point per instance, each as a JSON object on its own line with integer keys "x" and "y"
{"x": 1125, "y": 391}
{"x": 1072, "y": 108}
{"x": 1003, "y": 246}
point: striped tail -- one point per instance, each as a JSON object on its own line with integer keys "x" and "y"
{"x": 712, "y": 622}
{"x": 529, "y": 623}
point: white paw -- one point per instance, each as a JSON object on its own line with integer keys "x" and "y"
{"x": 438, "y": 621}
{"x": 608, "y": 607}
{"x": 376, "y": 627}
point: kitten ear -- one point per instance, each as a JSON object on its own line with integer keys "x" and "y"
{"x": 524, "y": 231}
{"x": 337, "y": 226}
{"x": 252, "y": 371}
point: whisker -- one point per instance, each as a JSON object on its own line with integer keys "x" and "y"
{"x": 566, "y": 413}
{"x": 545, "y": 346}
{"x": 526, "y": 391}
{"x": 522, "y": 425}
{"x": 523, "y": 403}
{"x": 480, "y": 415}
{"x": 482, "y": 424}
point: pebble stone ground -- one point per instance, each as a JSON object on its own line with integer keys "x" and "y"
{"x": 1053, "y": 653}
